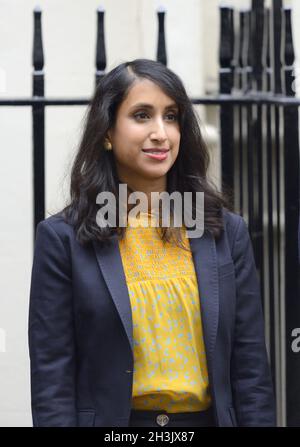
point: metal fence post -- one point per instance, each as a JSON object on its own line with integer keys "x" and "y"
{"x": 100, "y": 46}
{"x": 38, "y": 120}
{"x": 161, "y": 54}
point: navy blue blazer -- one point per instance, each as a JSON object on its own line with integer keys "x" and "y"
{"x": 80, "y": 330}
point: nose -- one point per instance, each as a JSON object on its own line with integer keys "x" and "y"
{"x": 159, "y": 131}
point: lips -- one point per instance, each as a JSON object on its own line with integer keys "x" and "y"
{"x": 155, "y": 151}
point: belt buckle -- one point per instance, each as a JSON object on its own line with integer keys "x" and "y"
{"x": 162, "y": 419}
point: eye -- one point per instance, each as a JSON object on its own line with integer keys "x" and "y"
{"x": 173, "y": 116}
{"x": 143, "y": 115}
{"x": 140, "y": 115}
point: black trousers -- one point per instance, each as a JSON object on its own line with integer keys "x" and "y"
{"x": 163, "y": 419}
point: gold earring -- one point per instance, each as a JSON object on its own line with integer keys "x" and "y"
{"x": 107, "y": 145}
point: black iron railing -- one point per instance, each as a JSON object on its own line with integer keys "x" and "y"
{"x": 260, "y": 161}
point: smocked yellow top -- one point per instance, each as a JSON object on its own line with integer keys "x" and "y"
{"x": 170, "y": 371}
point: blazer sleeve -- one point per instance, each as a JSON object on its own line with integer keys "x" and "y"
{"x": 51, "y": 332}
{"x": 250, "y": 373}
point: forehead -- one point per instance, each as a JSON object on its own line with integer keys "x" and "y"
{"x": 146, "y": 91}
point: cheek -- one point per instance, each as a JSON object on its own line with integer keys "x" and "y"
{"x": 124, "y": 131}
{"x": 131, "y": 132}
{"x": 128, "y": 141}
{"x": 176, "y": 144}
{"x": 175, "y": 134}
{"x": 176, "y": 140}
{"x": 175, "y": 154}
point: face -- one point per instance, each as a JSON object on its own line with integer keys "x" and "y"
{"x": 146, "y": 119}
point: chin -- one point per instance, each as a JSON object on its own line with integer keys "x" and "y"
{"x": 155, "y": 174}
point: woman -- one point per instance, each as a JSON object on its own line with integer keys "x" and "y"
{"x": 136, "y": 325}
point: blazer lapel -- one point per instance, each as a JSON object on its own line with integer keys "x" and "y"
{"x": 205, "y": 262}
{"x": 110, "y": 263}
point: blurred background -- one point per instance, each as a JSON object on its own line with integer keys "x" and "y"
{"x": 239, "y": 61}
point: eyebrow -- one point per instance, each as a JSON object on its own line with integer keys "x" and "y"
{"x": 149, "y": 106}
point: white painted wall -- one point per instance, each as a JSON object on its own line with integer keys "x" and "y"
{"x": 69, "y": 36}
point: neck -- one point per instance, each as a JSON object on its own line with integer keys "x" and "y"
{"x": 157, "y": 185}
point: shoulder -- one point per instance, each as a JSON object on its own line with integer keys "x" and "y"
{"x": 235, "y": 227}
{"x": 56, "y": 224}
{"x": 232, "y": 221}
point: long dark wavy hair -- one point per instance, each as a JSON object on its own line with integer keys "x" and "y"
{"x": 94, "y": 168}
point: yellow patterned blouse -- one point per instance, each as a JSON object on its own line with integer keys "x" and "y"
{"x": 170, "y": 370}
